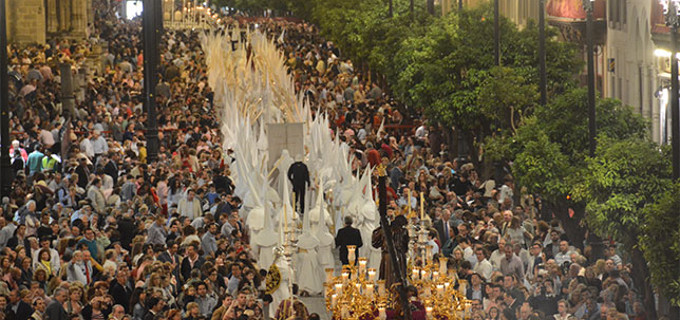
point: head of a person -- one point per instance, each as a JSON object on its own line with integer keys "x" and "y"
{"x": 479, "y": 253}
{"x": 564, "y": 246}
{"x": 508, "y": 250}
{"x": 348, "y": 221}
{"x": 242, "y": 297}
{"x": 117, "y": 312}
{"x": 201, "y": 289}
{"x": 562, "y": 307}
{"x": 61, "y": 294}
{"x": 235, "y": 270}
{"x": 89, "y": 234}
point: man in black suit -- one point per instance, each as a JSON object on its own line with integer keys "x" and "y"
{"x": 193, "y": 260}
{"x": 121, "y": 289}
{"x": 441, "y": 224}
{"x": 55, "y": 310}
{"x": 155, "y": 306}
{"x": 170, "y": 255}
{"x": 298, "y": 174}
{"x": 16, "y": 306}
{"x": 347, "y": 236}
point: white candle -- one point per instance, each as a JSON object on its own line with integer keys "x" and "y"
{"x": 440, "y": 289}
{"x": 334, "y": 300}
{"x": 369, "y": 290}
{"x": 362, "y": 265}
{"x": 414, "y": 274}
{"x": 428, "y": 312}
{"x": 371, "y": 275}
{"x": 345, "y": 276}
{"x": 338, "y": 288}
{"x": 382, "y": 314}
{"x": 435, "y": 275}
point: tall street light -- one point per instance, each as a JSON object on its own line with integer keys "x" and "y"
{"x": 671, "y": 10}
{"x": 592, "y": 128}
{"x": 151, "y": 57}
{"x": 6, "y": 174}
{"x": 543, "y": 81}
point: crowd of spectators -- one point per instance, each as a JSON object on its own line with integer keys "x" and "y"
{"x": 93, "y": 230}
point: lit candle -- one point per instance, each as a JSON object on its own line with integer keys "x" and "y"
{"x": 423, "y": 274}
{"x": 440, "y": 290}
{"x": 415, "y": 274}
{"x": 371, "y": 274}
{"x": 358, "y": 287}
{"x": 382, "y": 314}
{"x": 428, "y": 312}
{"x": 334, "y": 300}
{"x": 362, "y": 265}
{"x": 446, "y": 285}
{"x": 422, "y": 206}
{"x": 338, "y": 288}
{"x": 435, "y": 275}
{"x": 345, "y": 276}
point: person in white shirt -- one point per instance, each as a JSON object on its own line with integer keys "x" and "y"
{"x": 562, "y": 311}
{"x": 430, "y": 241}
{"x": 483, "y": 266}
{"x": 87, "y": 147}
{"x": 564, "y": 255}
{"x": 497, "y": 255}
{"x": 99, "y": 144}
{"x": 190, "y": 206}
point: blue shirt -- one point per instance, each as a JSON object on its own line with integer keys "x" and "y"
{"x": 34, "y": 161}
{"x": 91, "y": 245}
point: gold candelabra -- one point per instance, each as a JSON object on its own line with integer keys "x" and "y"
{"x": 357, "y": 294}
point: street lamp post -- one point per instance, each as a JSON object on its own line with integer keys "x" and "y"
{"x": 672, "y": 15}
{"x": 543, "y": 82}
{"x": 6, "y": 174}
{"x": 592, "y": 128}
{"x": 151, "y": 57}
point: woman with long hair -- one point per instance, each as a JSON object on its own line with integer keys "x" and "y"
{"x": 137, "y": 303}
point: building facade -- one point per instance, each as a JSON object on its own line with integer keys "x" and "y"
{"x": 34, "y": 21}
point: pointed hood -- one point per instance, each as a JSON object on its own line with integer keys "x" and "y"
{"x": 266, "y": 237}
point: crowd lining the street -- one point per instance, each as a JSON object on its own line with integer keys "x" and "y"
{"x": 92, "y": 230}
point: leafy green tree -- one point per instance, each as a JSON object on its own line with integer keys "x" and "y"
{"x": 550, "y": 149}
{"x": 624, "y": 177}
{"x": 659, "y": 242}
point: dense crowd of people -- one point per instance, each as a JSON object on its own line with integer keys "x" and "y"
{"x": 93, "y": 230}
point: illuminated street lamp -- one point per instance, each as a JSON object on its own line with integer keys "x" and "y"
{"x": 671, "y": 11}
